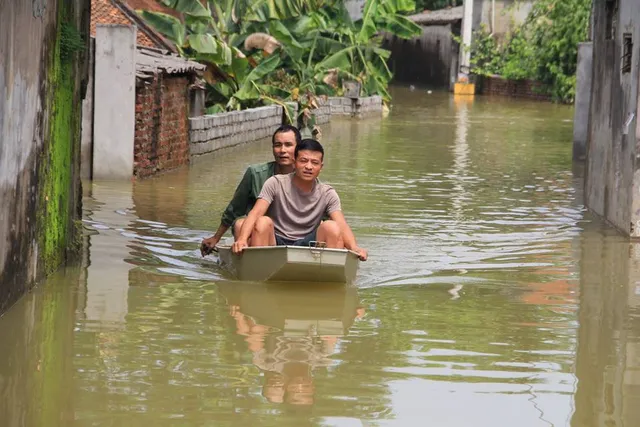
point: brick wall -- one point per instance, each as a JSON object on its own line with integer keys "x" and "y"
{"x": 162, "y": 131}
{"x": 360, "y": 107}
{"x": 215, "y": 131}
{"x": 527, "y": 89}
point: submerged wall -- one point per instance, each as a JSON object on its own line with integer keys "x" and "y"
{"x": 215, "y": 131}
{"x": 612, "y": 181}
{"x": 41, "y": 84}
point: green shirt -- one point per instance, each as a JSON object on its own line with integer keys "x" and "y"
{"x": 247, "y": 192}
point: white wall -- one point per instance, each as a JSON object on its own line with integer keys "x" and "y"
{"x": 355, "y": 8}
{"x": 114, "y": 102}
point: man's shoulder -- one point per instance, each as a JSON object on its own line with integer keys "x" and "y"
{"x": 278, "y": 179}
{"x": 262, "y": 168}
{"x": 324, "y": 187}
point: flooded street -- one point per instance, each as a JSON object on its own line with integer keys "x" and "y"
{"x": 490, "y": 298}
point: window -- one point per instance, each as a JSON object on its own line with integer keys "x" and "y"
{"x": 627, "y": 52}
{"x": 611, "y": 15}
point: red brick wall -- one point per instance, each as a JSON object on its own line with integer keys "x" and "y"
{"x": 162, "y": 128}
{"x": 514, "y": 88}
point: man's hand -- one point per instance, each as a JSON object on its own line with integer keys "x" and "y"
{"x": 238, "y": 246}
{"x": 208, "y": 245}
{"x": 362, "y": 253}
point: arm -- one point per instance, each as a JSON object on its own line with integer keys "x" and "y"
{"x": 238, "y": 205}
{"x": 208, "y": 244}
{"x": 259, "y": 209}
{"x": 236, "y": 208}
{"x": 347, "y": 235}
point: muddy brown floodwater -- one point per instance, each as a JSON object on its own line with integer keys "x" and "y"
{"x": 491, "y": 298}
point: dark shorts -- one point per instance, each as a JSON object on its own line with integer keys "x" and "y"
{"x": 305, "y": 241}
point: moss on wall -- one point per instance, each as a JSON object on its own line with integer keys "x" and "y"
{"x": 57, "y": 214}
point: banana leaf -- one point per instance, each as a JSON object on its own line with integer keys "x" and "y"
{"x": 340, "y": 60}
{"x": 401, "y": 26}
{"x": 248, "y": 88}
{"x": 368, "y": 25}
{"x": 167, "y": 25}
{"x": 188, "y": 7}
{"x": 203, "y": 43}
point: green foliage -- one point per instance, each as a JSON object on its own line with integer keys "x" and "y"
{"x": 545, "y": 48}
{"x": 293, "y": 50}
{"x": 71, "y": 41}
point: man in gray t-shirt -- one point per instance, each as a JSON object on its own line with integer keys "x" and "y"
{"x": 290, "y": 209}
{"x": 297, "y": 213}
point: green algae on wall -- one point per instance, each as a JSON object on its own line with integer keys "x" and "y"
{"x": 56, "y": 214}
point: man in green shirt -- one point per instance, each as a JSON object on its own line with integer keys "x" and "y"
{"x": 284, "y": 142}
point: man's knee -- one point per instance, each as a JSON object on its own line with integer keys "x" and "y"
{"x": 330, "y": 228}
{"x": 264, "y": 224}
{"x": 237, "y": 226}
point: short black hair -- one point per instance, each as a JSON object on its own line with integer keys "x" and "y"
{"x": 284, "y": 129}
{"x": 310, "y": 145}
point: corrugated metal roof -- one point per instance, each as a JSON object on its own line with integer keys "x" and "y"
{"x": 437, "y": 17}
{"x": 151, "y": 61}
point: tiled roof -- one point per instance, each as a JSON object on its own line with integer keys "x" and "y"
{"x": 118, "y": 12}
{"x": 438, "y": 17}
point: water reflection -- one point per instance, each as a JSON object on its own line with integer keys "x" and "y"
{"x": 490, "y": 298}
{"x": 36, "y": 355}
{"x": 608, "y": 356}
{"x": 291, "y": 330}
{"x": 107, "y": 214}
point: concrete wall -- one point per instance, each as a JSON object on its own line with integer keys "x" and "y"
{"x": 86, "y": 151}
{"x": 430, "y": 59}
{"x": 114, "y": 109}
{"x": 354, "y": 7}
{"x": 361, "y": 107}
{"x": 323, "y": 112}
{"x": 213, "y": 132}
{"x": 507, "y": 14}
{"x": 39, "y": 139}
{"x": 161, "y": 126}
{"x": 612, "y": 181}
{"x": 526, "y": 89}
{"x": 216, "y": 131}
{"x": 583, "y": 100}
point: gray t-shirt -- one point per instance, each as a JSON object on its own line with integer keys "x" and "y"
{"x": 296, "y": 213}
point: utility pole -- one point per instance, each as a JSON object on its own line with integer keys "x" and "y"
{"x": 462, "y": 86}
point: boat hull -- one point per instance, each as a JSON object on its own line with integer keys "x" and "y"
{"x": 291, "y": 264}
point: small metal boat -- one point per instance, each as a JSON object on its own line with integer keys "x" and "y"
{"x": 291, "y": 264}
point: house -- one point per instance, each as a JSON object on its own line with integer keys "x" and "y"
{"x": 124, "y": 12}
{"x": 151, "y": 104}
{"x": 612, "y": 169}
{"x": 433, "y": 57}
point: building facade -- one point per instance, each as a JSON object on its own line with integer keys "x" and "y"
{"x": 612, "y": 176}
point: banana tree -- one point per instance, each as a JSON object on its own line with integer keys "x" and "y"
{"x": 293, "y": 49}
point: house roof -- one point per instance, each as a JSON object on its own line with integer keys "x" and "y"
{"x": 150, "y": 62}
{"x": 119, "y": 12}
{"x": 438, "y": 17}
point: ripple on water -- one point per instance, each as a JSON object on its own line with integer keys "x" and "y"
{"x": 466, "y": 310}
